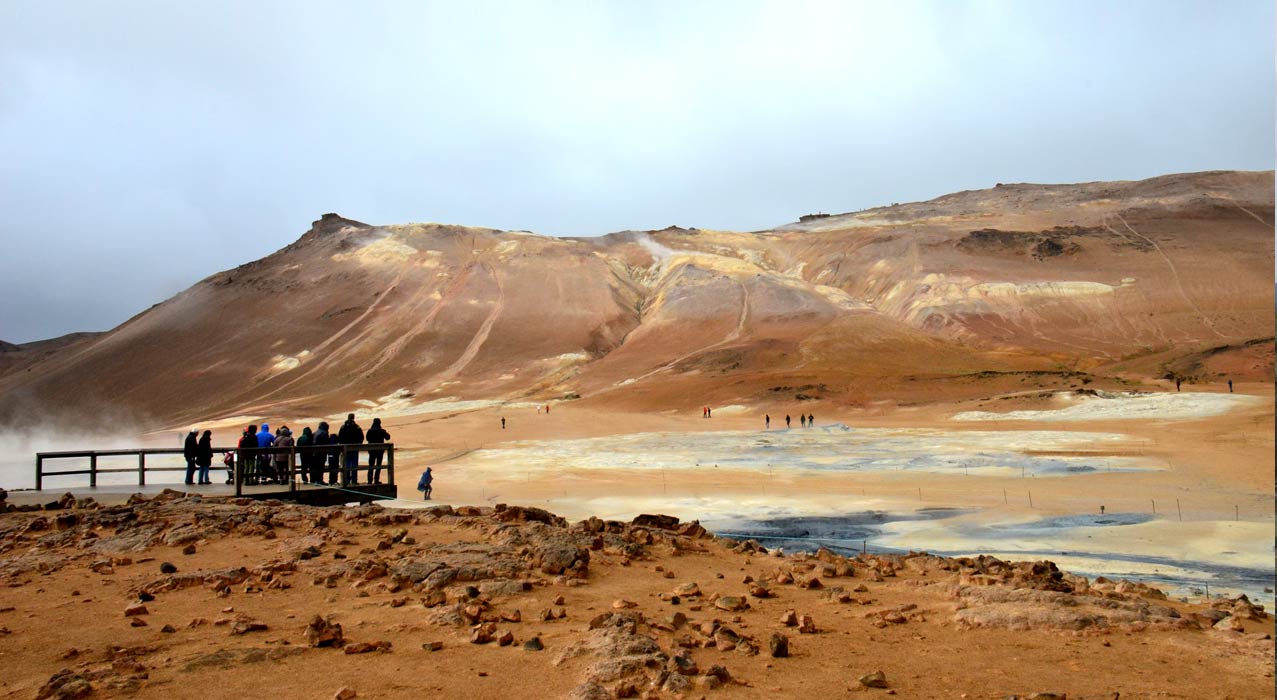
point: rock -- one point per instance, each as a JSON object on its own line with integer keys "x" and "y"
{"x": 789, "y": 619}
{"x": 660, "y": 522}
{"x": 136, "y": 609}
{"x": 1048, "y": 696}
{"x": 65, "y": 685}
{"x": 807, "y": 625}
{"x": 677, "y": 620}
{"x": 759, "y": 592}
{"x": 862, "y": 588}
{"x": 874, "y": 680}
{"x": 167, "y": 568}
{"x": 511, "y": 616}
{"x": 367, "y": 647}
{"x": 322, "y": 633}
{"x": 246, "y": 626}
{"x": 482, "y": 634}
{"x": 168, "y": 629}
{"x": 189, "y": 549}
{"x": 731, "y": 603}
{"x": 137, "y": 622}
{"x": 558, "y": 600}
{"x": 684, "y": 664}
{"x": 505, "y": 639}
{"x": 688, "y": 589}
{"x": 779, "y": 645}
{"x": 432, "y": 646}
{"x": 622, "y": 604}
{"x": 877, "y": 679}
{"x": 533, "y": 644}
{"x": 345, "y": 694}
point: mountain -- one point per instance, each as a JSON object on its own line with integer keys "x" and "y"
{"x": 970, "y": 294}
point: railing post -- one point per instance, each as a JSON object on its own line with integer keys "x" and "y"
{"x": 239, "y": 472}
{"x": 39, "y": 471}
{"x": 292, "y": 458}
{"x": 141, "y": 468}
{"x": 93, "y": 469}
{"x": 341, "y": 464}
{"x": 390, "y": 464}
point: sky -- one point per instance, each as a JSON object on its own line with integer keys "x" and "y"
{"x": 147, "y": 145}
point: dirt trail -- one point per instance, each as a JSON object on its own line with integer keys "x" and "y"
{"x": 480, "y": 337}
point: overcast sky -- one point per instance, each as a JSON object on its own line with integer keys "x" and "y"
{"x": 146, "y": 145}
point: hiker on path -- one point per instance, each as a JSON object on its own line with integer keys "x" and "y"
{"x": 811, "y": 421}
{"x": 424, "y": 484}
{"x": 786, "y": 421}
{"x": 188, "y": 453}
{"x": 709, "y": 412}
{"x": 204, "y": 456}
{"x": 767, "y": 422}
{"x": 283, "y": 462}
{"x": 1177, "y": 384}
{"x": 376, "y": 436}
{"x": 351, "y": 434}
{"x": 1230, "y": 386}
{"x": 503, "y": 422}
{"x": 802, "y": 419}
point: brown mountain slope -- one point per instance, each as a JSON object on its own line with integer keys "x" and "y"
{"x": 961, "y": 295}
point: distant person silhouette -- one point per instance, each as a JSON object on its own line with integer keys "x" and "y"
{"x": 709, "y": 412}
{"x": 1230, "y": 386}
{"x": 811, "y": 421}
{"x": 188, "y": 453}
{"x": 503, "y": 422}
{"x": 307, "y": 457}
{"x": 376, "y": 436}
{"x": 786, "y": 421}
{"x": 351, "y": 434}
{"x": 247, "y": 441}
{"x": 423, "y": 485}
{"x": 264, "y": 439}
{"x": 767, "y": 422}
{"x": 1177, "y": 384}
{"x": 204, "y": 456}
{"x": 283, "y": 462}
{"x": 802, "y": 419}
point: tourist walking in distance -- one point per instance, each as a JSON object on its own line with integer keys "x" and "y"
{"x": 811, "y": 421}
{"x": 283, "y": 462}
{"x": 423, "y": 485}
{"x": 503, "y": 422}
{"x": 204, "y": 456}
{"x": 767, "y": 422}
{"x": 1230, "y": 386}
{"x": 351, "y": 434}
{"x": 376, "y": 436}
{"x": 1177, "y": 384}
{"x": 188, "y": 453}
{"x": 802, "y": 419}
{"x": 786, "y": 421}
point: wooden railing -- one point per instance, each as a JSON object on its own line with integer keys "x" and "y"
{"x": 246, "y": 464}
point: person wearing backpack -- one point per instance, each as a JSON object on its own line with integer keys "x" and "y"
{"x": 351, "y": 434}
{"x": 423, "y": 485}
{"x": 283, "y": 461}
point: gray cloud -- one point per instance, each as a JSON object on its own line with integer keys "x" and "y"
{"x": 146, "y": 145}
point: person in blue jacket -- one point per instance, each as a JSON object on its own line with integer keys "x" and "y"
{"x": 424, "y": 484}
{"x": 265, "y": 438}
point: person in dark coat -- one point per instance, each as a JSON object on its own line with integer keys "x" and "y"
{"x": 376, "y": 436}
{"x": 351, "y": 434}
{"x": 204, "y": 456}
{"x": 306, "y": 457}
{"x": 188, "y": 453}
{"x": 247, "y": 441}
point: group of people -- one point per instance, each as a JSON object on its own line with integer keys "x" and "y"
{"x": 808, "y": 421}
{"x": 274, "y": 467}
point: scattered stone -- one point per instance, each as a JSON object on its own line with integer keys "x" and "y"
{"x": 323, "y": 633}
{"x": 533, "y": 644}
{"x": 345, "y": 694}
{"x": 731, "y": 603}
{"x": 136, "y": 609}
{"x": 807, "y": 625}
{"x": 137, "y": 622}
{"x": 759, "y": 592}
{"x": 167, "y": 568}
{"x": 189, "y": 549}
{"x": 622, "y": 604}
{"x": 367, "y": 647}
{"x": 65, "y": 685}
{"x": 877, "y": 679}
{"x": 432, "y": 646}
{"x": 246, "y": 626}
{"x": 779, "y": 645}
{"x": 789, "y": 619}
{"x": 168, "y": 629}
{"x": 688, "y": 589}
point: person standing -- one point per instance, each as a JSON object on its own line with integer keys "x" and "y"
{"x": 284, "y": 462}
{"x": 802, "y": 419}
{"x": 376, "y": 436}
{"x": 503, "y": 422}
{"x": 351, "y": 434}
{"x": 1230, "y": 386}
{"x": 1177, "y": 384}
{"x": 188, "y": 453}
{"x": 204, "y": 456}
{"x": 767, "y": 422}
{"x": 786, "y": 421}
{"x": 811, "y": 421}
{"x": 247, "y": 441}
{"x": 265, "y": 439}
{"x": 423, "y": 485}
{"x": 307, "y": 457}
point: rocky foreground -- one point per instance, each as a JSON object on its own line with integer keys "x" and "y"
{"x": 191, "y": 597}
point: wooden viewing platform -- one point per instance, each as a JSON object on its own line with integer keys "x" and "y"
{"x": 250, "y": 475}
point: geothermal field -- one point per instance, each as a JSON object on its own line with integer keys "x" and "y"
{"x": 1039, "y": 461}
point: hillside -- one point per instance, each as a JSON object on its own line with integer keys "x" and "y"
{"x": 970, "y": 294}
